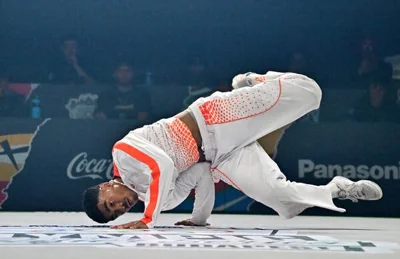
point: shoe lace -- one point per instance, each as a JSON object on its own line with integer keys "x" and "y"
{"x": 354, "y": 193}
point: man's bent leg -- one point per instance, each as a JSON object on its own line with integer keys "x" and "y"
{"x": 254, "y": 173}
{"x": 270, "y": 142}
{"x": 234, "y": 119}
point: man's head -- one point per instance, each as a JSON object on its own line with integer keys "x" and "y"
{"x": 123, "y": 74}
{"x": 70, "y": 47}
{"x": 107, "y": 201}
{"x": 368, "y": 47}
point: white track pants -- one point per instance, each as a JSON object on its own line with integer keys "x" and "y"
{"x": 253, "y": 172}
{"x": 230, "y": 123}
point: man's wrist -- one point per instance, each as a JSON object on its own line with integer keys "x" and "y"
{"x": 145, "y": 221}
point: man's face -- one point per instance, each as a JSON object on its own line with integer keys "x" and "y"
{"x": 70, "y": 48}
{"x": 367, "y": 47}
{"x": 124, "y": 75}
{"x": 115, "y": 199}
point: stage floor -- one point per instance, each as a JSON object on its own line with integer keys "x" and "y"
{"x": 73, "y": 235}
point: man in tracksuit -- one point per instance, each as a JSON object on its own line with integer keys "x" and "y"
{"x": 222, "y": 130}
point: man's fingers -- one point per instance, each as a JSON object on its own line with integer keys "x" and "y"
{"x": 186, "y": 223}
{"x": 180, "y": 223}
{"x": 123, "y": 226}
{"x": 131, "y": 225}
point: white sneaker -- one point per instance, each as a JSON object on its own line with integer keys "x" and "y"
{"x": 248, "y": 79}
{"x": 354, "y": 191}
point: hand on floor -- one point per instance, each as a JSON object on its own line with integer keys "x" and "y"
{"x": 131, "y": 225}
{"x": 188, "y": 222}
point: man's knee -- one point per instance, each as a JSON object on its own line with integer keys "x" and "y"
{"x": 270, "y": 142}
{"x": 307, "y": 84}
{"x": 316, "y": 90}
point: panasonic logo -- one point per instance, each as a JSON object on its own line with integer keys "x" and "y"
{"x": 307, "y": 168}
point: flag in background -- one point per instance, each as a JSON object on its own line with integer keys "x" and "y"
{"x": 24, "y": 89}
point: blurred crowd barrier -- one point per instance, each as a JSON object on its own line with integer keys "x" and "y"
{"x": 80, "y": 102}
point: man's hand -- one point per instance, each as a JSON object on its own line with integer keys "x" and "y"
{"x": 188, "y": 222}
{"x": 132, "y": 225}
{"x": 80, "y": 71}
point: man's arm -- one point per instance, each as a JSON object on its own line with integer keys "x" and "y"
{"x": 81, "y": 72}
{"x": 162, "y": 171}
{"x": 157, "y": 177}
{"x": 197, "y": 177}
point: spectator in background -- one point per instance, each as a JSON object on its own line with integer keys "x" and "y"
{"x": 197, "y": 81}
{"x": 11, "y": 105}
{"x": 298, "y": 63}
{"x": 68, "y": 69}
{"x": 125, "y": 100}
{"x": 371, "y": 61}
{"x": 379, "y": 104}
{"x": 196, "y": 73}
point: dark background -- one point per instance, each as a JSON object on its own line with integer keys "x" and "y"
{"x": 231, "y": 36}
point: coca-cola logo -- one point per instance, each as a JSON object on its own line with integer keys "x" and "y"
{"x": 83, "y": 167}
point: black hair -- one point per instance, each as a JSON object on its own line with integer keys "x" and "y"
{"x": 90, "y": 202}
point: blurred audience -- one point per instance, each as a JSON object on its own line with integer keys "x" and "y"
{"x": 11, "y": 105}
{"x": 196, "y": 73}
{"x": 379, "y": 103}
{"x": 125, "y": 100}
{"x": 67, "y": 69}
{"x": 298, "y": 63}
{"x": 195, "y": 93}
{"x": 197, "y": 81}
{"x": 371, "y": 61}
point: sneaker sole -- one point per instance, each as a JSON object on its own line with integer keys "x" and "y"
{"x": 367, "y": 183}
{"x": 374, "y": 186}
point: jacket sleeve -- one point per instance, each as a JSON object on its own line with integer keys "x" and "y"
{"x": 204, "y": 197}
{"x": 197, "y": 177}
{"x": 161, "y": 175}
{"x": 150, "y": 169}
